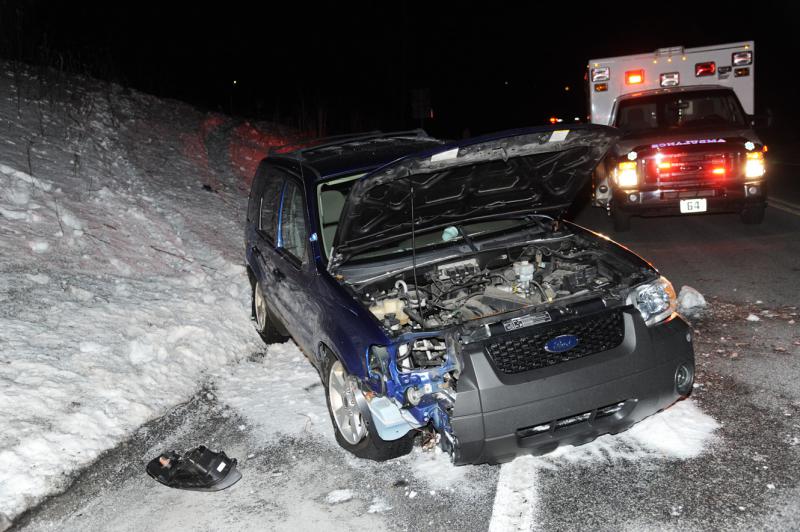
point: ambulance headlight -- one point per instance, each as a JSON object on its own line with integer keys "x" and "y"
{"x": 626, "y": 174}
{"x": 754, "y": 165}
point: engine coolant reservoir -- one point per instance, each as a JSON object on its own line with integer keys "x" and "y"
{"x": 390, "y": 306}
{"x": 524, "y": 272}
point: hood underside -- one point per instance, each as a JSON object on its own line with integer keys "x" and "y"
{"x": 513, "y": 173}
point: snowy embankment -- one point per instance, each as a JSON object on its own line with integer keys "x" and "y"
{"x": 121, "y": 277}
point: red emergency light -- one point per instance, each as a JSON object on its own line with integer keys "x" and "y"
{"x": 634, "y": 77}
{"x": 705, "y": 69}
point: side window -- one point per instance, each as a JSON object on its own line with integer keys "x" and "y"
{"x": 269, "y": 204}
{"x": 256, "y": 192}
{"x": 294, "y": 231}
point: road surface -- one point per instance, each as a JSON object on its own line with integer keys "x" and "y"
{"x": 746, "y": 477}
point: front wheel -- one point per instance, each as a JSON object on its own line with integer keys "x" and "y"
{"x": 753, "y": 215}
{"x": 621, "y": 220}
{"x": 351, "y": 428}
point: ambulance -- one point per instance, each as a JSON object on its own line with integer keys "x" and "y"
{"x": 688, "y": 143}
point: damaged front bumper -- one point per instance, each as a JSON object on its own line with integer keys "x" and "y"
{"x": 498, "y": 410}
{"x": 499, "y": 416}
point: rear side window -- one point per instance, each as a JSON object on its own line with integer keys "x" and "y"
{"x": 294, "y": 230}
{"x": 256, "y": 192}
{"x": 270, "y": 203}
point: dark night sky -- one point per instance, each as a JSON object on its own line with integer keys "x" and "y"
{"x": 359, "y": 62}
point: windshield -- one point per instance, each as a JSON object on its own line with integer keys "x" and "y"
{"x": 680, "y": 110}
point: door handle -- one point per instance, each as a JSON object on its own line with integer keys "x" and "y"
{"x": 278, "y": 274}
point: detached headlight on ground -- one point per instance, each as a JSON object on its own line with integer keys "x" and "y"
{"x": 656, "y": 300}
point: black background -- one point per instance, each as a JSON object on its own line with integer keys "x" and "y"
{"x": 352, "y": 66}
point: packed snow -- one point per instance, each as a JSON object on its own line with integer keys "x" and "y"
{"x": 680, "y": 432}
{"x": 690, "y": 301}
{"x": 121, "y": 280}
{"x": 339, "y": 496}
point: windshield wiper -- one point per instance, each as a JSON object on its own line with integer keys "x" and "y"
{"x": 466, "y": 238}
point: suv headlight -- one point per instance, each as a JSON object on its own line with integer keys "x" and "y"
{"x": 656, "y": 300}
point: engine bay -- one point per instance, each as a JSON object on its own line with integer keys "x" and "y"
{"x": 493, "y": 282}
{"x": 432, "y": 309}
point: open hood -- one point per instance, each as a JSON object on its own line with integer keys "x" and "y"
{"x": 527, "y": 171}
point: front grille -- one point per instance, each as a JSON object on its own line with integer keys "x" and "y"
{"x": 525, "y": 351}
{"x": 676, "y": 168}
{"x": 695, "y": 193}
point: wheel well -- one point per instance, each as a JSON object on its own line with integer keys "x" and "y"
{"x": 323, "y": 350}
{"x": 251, "y": 276}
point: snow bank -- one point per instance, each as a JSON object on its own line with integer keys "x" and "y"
{"x": 120, "y": 276}
{"x": 690, "y": 301}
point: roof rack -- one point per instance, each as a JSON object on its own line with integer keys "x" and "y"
{"x": 340, "y": 140}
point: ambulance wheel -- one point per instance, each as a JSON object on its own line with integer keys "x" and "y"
{"x": 621, "y": 220}
{"x": 753, "y": 215}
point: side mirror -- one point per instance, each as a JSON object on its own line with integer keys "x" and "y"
{"x": 760, "y": 121}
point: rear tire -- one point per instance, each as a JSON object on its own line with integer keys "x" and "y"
{"x": 621, "y": 220}
{"x": 753, "y": 215}
{"x": 263, "y": 319}
{"x": 353, "y": 432}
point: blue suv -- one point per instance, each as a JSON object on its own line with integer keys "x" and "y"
{"x": 441, "y": 297}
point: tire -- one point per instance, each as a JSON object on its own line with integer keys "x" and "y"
{"x": 358, "y": 436}
{"x": 621, "y": 220}
{"x": 753, "y": 215}
{"x": 262, "y": 318}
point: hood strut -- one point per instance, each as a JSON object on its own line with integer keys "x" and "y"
{"x": 414, "y": 254}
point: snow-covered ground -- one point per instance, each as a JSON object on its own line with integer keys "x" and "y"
{"x": 121, "y": 278}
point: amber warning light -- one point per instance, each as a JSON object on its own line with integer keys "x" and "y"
{"x": 634, "y": 77}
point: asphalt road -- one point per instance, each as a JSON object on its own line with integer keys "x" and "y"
{"x": 747, "y": 479}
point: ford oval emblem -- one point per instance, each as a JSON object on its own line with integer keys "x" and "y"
{"x": 562, "y": 343}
